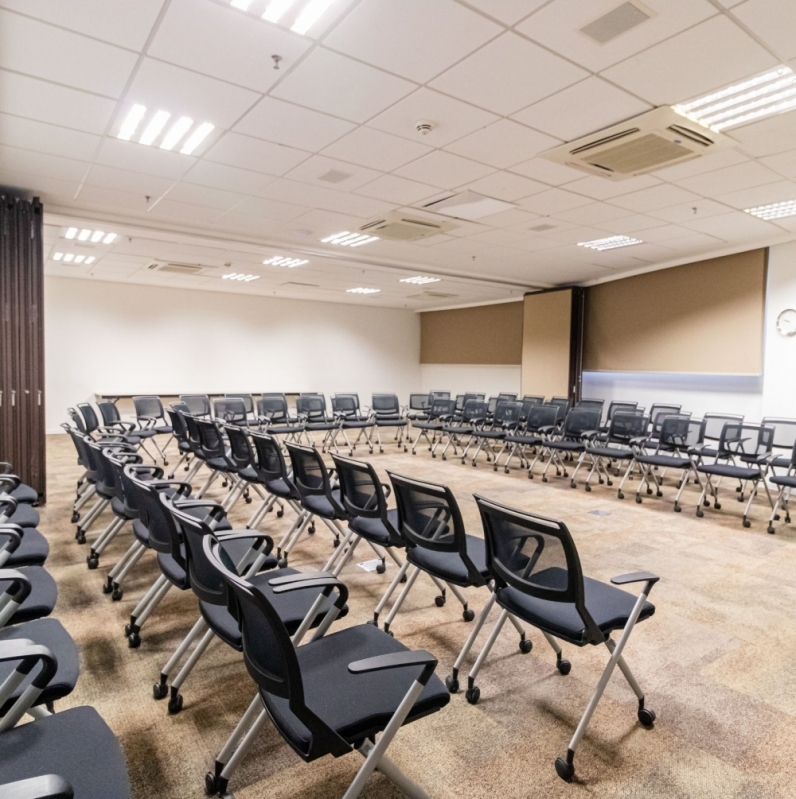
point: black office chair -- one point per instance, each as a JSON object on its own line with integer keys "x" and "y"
{"x": 786, "y": 483}
{"x": 659, "y": 412}
{"x": 386, "y": 410}
{"x": 784, "y": 440}
{"x": 197, "y": 405}
{"x": 22, "y": 546}
{"x": 19, "y": 513}
{"x": 112, "y": 422}
{"x": 418, "y": 407}
{"x": 439, "y": 414}
{"x": 617, "y": 406}
{"x": 312, "y": 416}
{"x": 12, "y": 484}
{"x": 230, "y": 410}
{"x": 539, "y": 424}
{"x": 249, "y": 409}
{"x": 625, "y": 430}
{"x": 178, "y": 425}
{"x": 714, "y": 429}
{"x": 331, "y": 696}
{"x": 151, "y": 419}
{"x": 473, "y": 417}
{"x": 345, "y": 407}
{"x": 505, "y": 421}
{"x": 26, "y": 594}
{"x": 579, "y": 425}
{"x": 538, "y": 578}
{"x": 591, "y": 405}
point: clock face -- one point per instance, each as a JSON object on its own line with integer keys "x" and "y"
{"x": 786, "y": 322}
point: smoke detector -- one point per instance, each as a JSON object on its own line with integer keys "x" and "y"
{"x": 423, "y": 127}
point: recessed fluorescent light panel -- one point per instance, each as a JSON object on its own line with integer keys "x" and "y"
{"x": 346, "y": 239}
{"x": 361, "y": 290}
{"x": 774, "y": 211}
{"x": 419, "y": 280}
{"x": 772, "y": 92}
{"x": 279, "y": 260}
{"x": 93, "y": 236}
{"x": 298, "y": 15}
{"x": 610, "y": 243}
{"x": 71, "y": 257}
{"x": 240, "y": 276}
{"x": 157, "y": 128}
{"x": 58, "y": 256}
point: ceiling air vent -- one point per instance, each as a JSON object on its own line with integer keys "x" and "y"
{"x": 431, "y": 295}
{"x": 176, "y": 268}
{"x": 621, "y": 20}
{"x": 402, "y": 227}
{"x": 468, "y": 205}
{"x": 302, "y": 285}
{"x": 646, "y": 143}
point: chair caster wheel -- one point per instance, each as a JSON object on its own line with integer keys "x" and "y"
{"x": 452, "y": 684}
{"x": 248, "y": 500}
{"x": 280, "y": 513}
{"x": 677, "y": 509}
{"x": 282, "y": 563}
{"x": 717, "y": 505}
{"x": 159, "y": 690}
{"x": 564, "y": 667}
{"x": 117, "y": 594}
{"x": 381, "y": 568}
{"x": 433, "y": 455}
{"x": 468, "y": 615}
{"x": 165, "y": 462}
{"x": 175, "y": 704}
{"x": 526, "y": 645}
{"x": 107, "y": 586}
{"x": 134, "y": 640}
{"x": 747, "y": 523}
{"x": 646, "y": 716}
{"x": 92, "y": 562}
{"x": 544, "y": 479}
{"x": 439, "y": 601}
{"x": 638, "y": 499}
{"x": 211, "y": 784}
{"x": 506, "y": 470}
{"x": 700, "y": 513}
{"x": 770, "y": 529}
{"x": 564, "y": 769}
{"x": 75, "y": 517}
{"x": 472, "y": 695}
{"x": 444, "y": 458}
{"x": 311, "y": 529}
{"x": 587, "y": 487}
{"x": 404, "y": 579}
{"x": 776, "y": 517}
{"x": 390, "y": 633}
{"x": 80, "y": 537}
{"x": 573, "y": 484}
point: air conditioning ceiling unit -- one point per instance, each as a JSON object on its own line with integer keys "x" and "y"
{"x": 176, "y": 268}
{"x": 646, "y": 143}
{"x": 403, "y": 227}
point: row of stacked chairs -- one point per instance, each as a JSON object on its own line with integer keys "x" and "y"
{"x": 330, "y": 692}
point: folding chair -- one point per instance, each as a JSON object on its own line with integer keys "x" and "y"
{"x": 275, "y": 418}
{"x": 418, "y": 407}
{"x": 538, "y": 578}
{"x": 387, "y": 412}
{"x": 658, "y": 412}
{"x": 505, "y": 421}
{"x": 714, "y": 428}
{"x": 22, "y": 546}
{"x": 26, "y": 594}
{"x": 250, "y": 417}
{"x": 784, "y": 440}
{"x": 786, "y": 483}
{"x": 197, "y": 404}
{"x": 230, "y": 410}
{"x": 616, "y": 406}
{"x": 247, "y": 472}
{"x": 178, "y": 425}
{"x": 472, "y": 418}
{"x": 311, "y": 411}
{"x": 539, "y": 424}
{"x": 626, "y": 429}
{"x": 440, "y": 412}
{"x": 579, "y": 425}
{"x": 151, "y": 420}
{"x": 345, "y": 407}
{"x": 333, "y": 695}
{"x": 12, "y": 484}
{"x": 112, "y": 422}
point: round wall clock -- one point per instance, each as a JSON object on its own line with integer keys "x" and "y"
{"x": 786, "y": 322}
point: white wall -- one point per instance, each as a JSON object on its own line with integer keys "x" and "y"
{"x": 461, "y": 378}
{"x": 112, "y": 338}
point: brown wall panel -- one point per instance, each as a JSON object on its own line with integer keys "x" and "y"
{"x": 486, "y": 334}
{"x": 705, "y": 317}
{"x": 546, "y": 343}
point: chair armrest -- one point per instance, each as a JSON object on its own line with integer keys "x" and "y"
{"x": 222, "y": 538}
{"x": 590, "y": 434}
{"x": 183, "y": 489}
{"x": 639, "y": 441}
{"x": 29, "y": 653}
{"x": 47, "y": 786}
{"x": 143, "y": 469}
{"x": 299, "y": 577}
{"x": 398, "y": 660}
{"x": 10, "y": 479}
{"x": 7, "y": 501}
{"x": 324, "y": 582}
{"x": 387, "y": 488}
{"x": 5, "y": 466}
{"x": 13, "y": 538}
{"x": 636, "y": 577}
{"x": 20, "y": 587}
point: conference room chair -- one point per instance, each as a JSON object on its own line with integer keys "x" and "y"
{"x": 714, "y": 429}
{"x": 579, "y": 425}
{"x": 563, "y": 403}
{"x": 87, "y": 483}
{"x": 250, "y": 418}
{"x": 534, "y": 399}
{"x": 440, "y": 413}
{"x": 617, "y": 406}
{"x": 461, "y": 427}
{"x": 786, "y": 483}
{"x": 14, "y": 512}
{"x": 539, "y": 424}
{"x": 180, "y": 428}
{"x": 418, "y": 407}
{"x": 658, "y": 412}
{"x": 219, "y": 460}
{"x": 151, "y": 420}
{"x": 22, "y": 546}
{"x": 737, "y": 439}
{"x": 504, "y": 420}
{"x": 112, "y": 422}
{"x": 26, "y": 593}
{"x": 626, "y": 431}
{"x": 351, "y": 690}
{"x": 197, "y": 404}
{"x": 387, "y": 413}
{"x": 539, "y": 579}
{"x": 784, "y": 440}
{"x": 678, "y": 437}
{"x": 313, "y": 418}
{"x": 346, "y": 408}
{"x": 230, "y": 410}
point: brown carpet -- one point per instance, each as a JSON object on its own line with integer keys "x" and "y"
{"x": 716, "y": 660}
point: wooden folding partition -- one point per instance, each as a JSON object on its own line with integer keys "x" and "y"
{"x": 22, "y": 430}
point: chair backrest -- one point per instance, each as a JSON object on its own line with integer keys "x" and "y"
{"x": 506, "y": 397}
{"x": 591, "y": 404}
{"x": 273, "y": 407}
{"x": 730, "y": 437}
{"x": 177, "y": 420}
{"x": 659, "y": 411}
{"x": 361, "y": 490}
{"x": 442, "y": 407}
{"x": 164, "y": 535}
{"x": 491, "y": 405}
{"x": 533, "y": 399}
{"x": 90, "y": 419}
{"x": 117, "y": 458}
{"x": 542, "y": 416}
{"x": 231, "y": 410}
{"x": 109, "y": 412}
{"x": 784, "y": 431}
{"x": 77, "y": 420}
{"x": 310, "y": 475}
{"x": 419, "y": 402}
{"x": 248, "y": 401}
{"x": 715, "y": 423}
{"x": 561, "y": 402}
{"x": 346, "y": 404}
{"x": 386, "y": 405}
{"x": 627, "y": 425}
{"x": 438, "y": 395}
{"x": 240, "y": 450}
{"x": 761, "y": 440}
{"x": 198, "y": 404}
{"x": 681, "y": 432}
{"x": 507, "y": 414}
{"x": 211, "y": 440}
{"x": 536, "y": 556}
{"x": 580, "y": 420}
{"x": 83, "y": 457}
{"x": 271, "y": 465}
{"x": 527, "y": 404}
{"x": 149, "y": 406}
{"x": 313, "y": 406}
{"x": 474, "y": 412}
{"x": 617, "y": 406}
{"x": 194, "y": 436}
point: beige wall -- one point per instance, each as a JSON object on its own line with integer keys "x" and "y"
{"x": 704, "y": 318}
{"x": 546, "y": 343}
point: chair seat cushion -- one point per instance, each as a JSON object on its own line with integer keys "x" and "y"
{"x": 148, "y": 432}
{"x": 664, "y": 461}
{"x": 449, "y": 566}
{"x": 567, "y": 446}
{"x": 280, "y": 430}
{"x": 220, "y": 464}
{"x": 281, "y": 489}
{"x": 24, "y": 516}
{"x": 121, "y": 510}
{"x": 728, "y": 470}
{"x": 781, "y": 462}
{"x": 525, "y": 440}
{"x": 321, "y": 506}
{"x": 617, "y": 453}
{"x": 163, "y": 429}
{"x": 356, "y": 706}
{"x": 249, "y": 474}
{"x": 42, "y": 597}
{"x": 49, "y": 633}
{"x": 374, "y": 529}
{"x": 428, "y": 425}
{"x": 141, "y": 532}
{"x": 357, "y": 424}
{"x": 610, "y": 607}
{"x": 788, "y": 480}
{"x": 173, "y": 570}
{"x": 75, "y": 744}
{"x": 493, "y": 434}
{"x": 25, "y": 494}
{"x": 32, "y": 551}
{"x": 390, "y": 421}
{"x": 321, "y": 426}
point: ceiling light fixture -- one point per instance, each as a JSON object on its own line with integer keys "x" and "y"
{"x": 155, "y": 127}
{"x": 109, "y": 239}
{"x": 90, "y": 259}
{"x": 83, "y": 235}
{"x": 68, "y": 257}
{"x": 774, "y": 211}
{"x": 610, "y": 243}
{"x": 420, "y": 280}
{"x": 58, "y": 256}
{"x": 276, "y": 8}
{"x": 92, "y": 236}
{"x": 176, "y": 132}
{"x": 71, "y": 233}
{"x": 240, "y": 276}
{"x": 361, "y": 290}
{"x": 79, "y": 259}
{"x": 96, "y": 236}
{"x": 346, "y": 239}
{"x": 196, "y": 138}
{"x": 243, "y": 5}
{"x": 131, "y": 122}
{"x": 312, "y": 12}
{"x": 763, "y": 95}
{"x": 279, "y": 260}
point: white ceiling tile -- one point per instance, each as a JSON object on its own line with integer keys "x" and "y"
{"x": 696, "y": 209}
{"x": 101, "y": 198}
{"x": 451, "y": 119}
{"x": 492, "y": 77}
{"x": 667, "y": 233}
{"x": 558, "y": 26}
{"x": 507, "y": 186}
{"x": 324, "y": 223}
{"x": 506, "y": 236}
{"x": 313, "y": 196}
{"x": 731, "y": 178}
{"x": 507, "y": 11}
{"x": 285, "y": 123}
{"x": 376, "y": 149}
{"x": 215, "y": 40}
{"x": 444, "y": 170}
{"x": 592, "y": 214}
{"x": 441, "y": 33}
{"x": 49, "y": 189}
{"x": 393, "y": 189}
{"x": 469, "y": 245}
{"x": 760, "y": 195}
{"x": 341, "y": 86}
{"x": 706, "y": 57}
{"x": 345, "y": 176}
{"x": 553, "y": 201}
{"x": 503, "y": 144}
{"x": 631, "y": 225}
{"x": 600, "y": 188}
{"x": 515, "y": 217}
{"x": 784, "y": 163}
{"x": 33, "y": 163}
{"x": 272, "y": 209}
{"x": 581, "y": 109}
{"x": 547, "y": 171}
{"x": 193, "y": 215}
{"x": 205, "y": 196}
{"x": 161, "y": 86}
{"x": 247, "y": 152}
{"x": 693, "y": 245}
{"x": 221, "y": 176}
{"x": 37, "y": 99}
{"x": 115, "y": 21}
{"x": 32, "y": 135}
{"x": 124, "y": 180}
{"x": 735, "y": 226}
{"x": 246, "y": 224}
{"x": 138, "y": 158}
{"x": 655, "y": 197}
{"x": 698, "y": 166}
{"x": 44, "y": 51}
{"x": 774, "y": 21}
{"x": 768, "y": 137}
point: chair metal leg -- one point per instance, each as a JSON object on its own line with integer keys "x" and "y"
{"x": 401, "y": 597}
{"x": 160, "y": 689}
{"x": 452, "y": 682}
{"x": 390, "y": 591}
{"x": 175, "y": 700}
